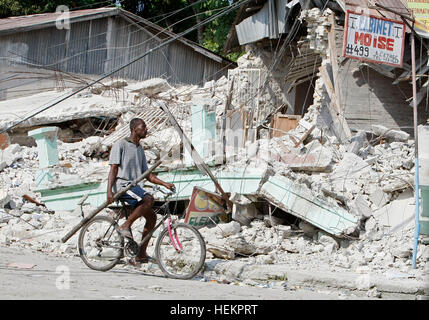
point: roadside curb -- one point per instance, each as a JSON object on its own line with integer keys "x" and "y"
{"x": 338, "y": 280}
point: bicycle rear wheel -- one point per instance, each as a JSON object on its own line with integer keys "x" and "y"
{"x": 184, "y": 257}
{"x": 100, "y": 244}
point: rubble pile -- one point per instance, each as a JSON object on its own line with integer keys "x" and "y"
{"x": 362, "y": 176}
{"x": 283, "y": 244}
{"x": 370, "y": 176}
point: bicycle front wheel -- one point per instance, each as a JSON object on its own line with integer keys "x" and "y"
{"x": 180, "y": 253}
{"x": 100, "y": 244}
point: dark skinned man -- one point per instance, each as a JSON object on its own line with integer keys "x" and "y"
{"x": 128, "y": 162}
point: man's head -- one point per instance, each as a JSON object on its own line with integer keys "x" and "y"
{"x": 138, "y": 128}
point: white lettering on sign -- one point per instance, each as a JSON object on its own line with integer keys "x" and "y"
{"x": 373, "y": 39}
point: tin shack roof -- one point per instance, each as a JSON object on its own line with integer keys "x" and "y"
{"x": 38, "y": 21}
{"x": 17, "y": 24}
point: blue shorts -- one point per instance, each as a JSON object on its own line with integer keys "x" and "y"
{"x": 134, "y": 196}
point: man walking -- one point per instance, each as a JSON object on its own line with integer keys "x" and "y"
{"x": 127, "y": 163}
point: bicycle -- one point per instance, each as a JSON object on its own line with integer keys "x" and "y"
{"x": 180, "y": 250}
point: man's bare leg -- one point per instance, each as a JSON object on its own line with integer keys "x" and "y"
{"x": 139, "y": 211}
{"x": 143, "y": 209}
{"x": 150, "y": 217}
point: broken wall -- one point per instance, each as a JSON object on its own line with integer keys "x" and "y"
{"x": 369, "y": 98}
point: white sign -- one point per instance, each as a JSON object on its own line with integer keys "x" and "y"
{"x": 373, "y": 39}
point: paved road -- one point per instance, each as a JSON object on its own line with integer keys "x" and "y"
{"x": 48, "y": 279}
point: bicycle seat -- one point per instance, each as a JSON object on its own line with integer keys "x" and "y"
{"x": 120, "y": 205}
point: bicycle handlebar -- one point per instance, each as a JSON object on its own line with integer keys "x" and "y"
{"x": 167, "y": 194}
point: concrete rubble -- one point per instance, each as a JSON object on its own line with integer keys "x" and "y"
{"x": 366, "y": 182}
{"x": 370, "y": 178}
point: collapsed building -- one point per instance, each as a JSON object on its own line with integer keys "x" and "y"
{"x": 315, "y": 178}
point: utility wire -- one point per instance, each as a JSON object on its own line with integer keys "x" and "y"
{"x": 232, "y": 7}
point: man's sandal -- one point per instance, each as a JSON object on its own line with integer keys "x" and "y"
{"x": 137, "y": 262}
{"x": 146, "y": 259}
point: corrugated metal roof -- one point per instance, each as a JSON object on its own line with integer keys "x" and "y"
{"x": 16, "y": 24}
{"x": 13, "y": 25}
{"x": 266, "y": 23}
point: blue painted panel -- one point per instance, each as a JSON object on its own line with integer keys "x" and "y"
{"x": 299, "y": 201}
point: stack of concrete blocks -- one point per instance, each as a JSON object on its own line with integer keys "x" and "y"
{"x": 203, "y": 132}
{"x": 65, "y": 194}
{"x": 317, "y": 26}
{"x": 46, "y": 140}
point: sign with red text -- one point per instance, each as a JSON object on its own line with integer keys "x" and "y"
{"x": 373, "y": 39}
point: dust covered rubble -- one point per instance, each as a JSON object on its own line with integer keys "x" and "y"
{"x": 362, "y": 176}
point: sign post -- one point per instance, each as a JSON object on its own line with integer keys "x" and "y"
{"x": 373, "y": 39}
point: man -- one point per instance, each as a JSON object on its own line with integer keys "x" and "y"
{"x": 128, "y": 162}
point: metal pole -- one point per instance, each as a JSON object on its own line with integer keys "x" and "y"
{"x": 199, "y": 162}
{"x": 416, "y": 154}
{"x": 174, "y": 38}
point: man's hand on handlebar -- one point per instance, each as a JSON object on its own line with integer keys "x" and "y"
{"x": 170, "y": 186}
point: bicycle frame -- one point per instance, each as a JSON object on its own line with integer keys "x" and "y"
{"x": 167, "y": 215}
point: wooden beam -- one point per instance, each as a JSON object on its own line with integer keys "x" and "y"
{"x": 225, "y": 111}
{"x": 335, "y": 74}
{"x": 338, "y": 127}
{"x": 305, "y": 136}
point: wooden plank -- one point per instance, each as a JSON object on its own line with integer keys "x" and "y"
{"x": 282, "y": 123}
{"x": 330, "y": 89}
{"x": 335, "y": 110}
{"x": 227, "y": 106}
{"x": 305, "y": 136}
{"x": 335, "y": 73}
{"x": 420, "y": 95}
{"x": 297, "y": 82}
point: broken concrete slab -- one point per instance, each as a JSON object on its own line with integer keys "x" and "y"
{"x": 301, "y": 202}
{"x": 359, "y": 206}
{"x": 77, "y": 107}
{"x": 221, "y": 253}
{"x": 150, "y": 87}
{"x": 313, "y": 158}
{"x": 241, "y": 246}
{"x": 405, "y": 181}
{"x": 390, "y": 135}
{"x": 239, "y": 180}
{"x": 243, "y": 210}
{"x": 377, "y": 196}
{"x": 397, "y": 215}
{"x": 351, "y": 166}
{"x": 357, "y": 142}
{"x": 9, "y": 155}
{"x": 229, "y": 229}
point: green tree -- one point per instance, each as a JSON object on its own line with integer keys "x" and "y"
{"x": 192, "y": 12}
